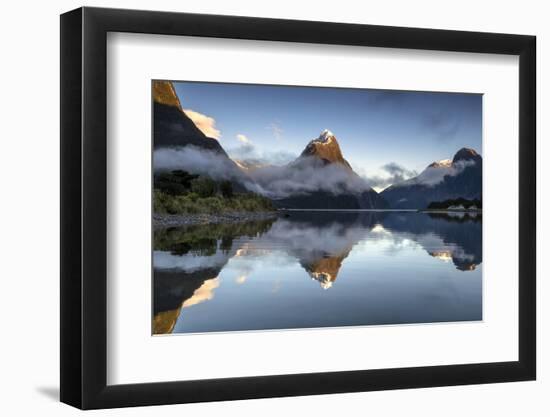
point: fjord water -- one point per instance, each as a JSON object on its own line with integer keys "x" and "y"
{"x": 310, "y": 269}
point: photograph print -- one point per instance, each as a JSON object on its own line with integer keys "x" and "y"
{"x": 289, "y": 207}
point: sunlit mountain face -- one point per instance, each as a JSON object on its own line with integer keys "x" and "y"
{"x": 249, "y": 165}
{"x": 335, "y": 185}
{"x": 325, "y": 270}
{"x": 325, "y": 148}
{"x": 187, "y": 262}
{"x": 258, "y": 275}
{"x": 173, "y": 128}
{"x": 320, "y": 177}
{"x": 333, "y": 254}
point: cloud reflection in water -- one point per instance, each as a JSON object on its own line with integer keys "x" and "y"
{"x": 324, "y": 246}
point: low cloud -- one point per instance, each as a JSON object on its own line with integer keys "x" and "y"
{"x": 395, "y": 174}
{"x": 394, "y": 168}
{"x": 434, "y": 175}
{"x": 196, "y": 161}
{"x": 307, "y": 176}
{"x": 272, "y": 181}
{"x": 310, "y": 242}
{"x": 203, "y": 162}
{"x": 206, "y": 124}
{"x": 273, "y": 176}
{"x": 188, "y": 262}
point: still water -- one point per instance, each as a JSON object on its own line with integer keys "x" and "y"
{"x": 318, "y": 269}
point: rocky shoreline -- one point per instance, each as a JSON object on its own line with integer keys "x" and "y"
{"x": 162, "y": 221}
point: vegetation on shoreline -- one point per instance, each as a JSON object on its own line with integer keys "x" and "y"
{"x": 179, "y": 192}
{"x": 455, "y": 204}
{"x": 460, "y": 217}
{"x": 205, "y": 239}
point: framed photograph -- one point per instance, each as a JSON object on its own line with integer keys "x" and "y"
{"x": 256, "y": 208}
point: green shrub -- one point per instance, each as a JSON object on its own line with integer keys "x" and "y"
{"x": 204, "y": 187}
{"x": 174, "y": 183}
{"x": 203, "y": 200}
{"x": 226, "y": 188}
{"x": 159, "y": 202}
{"x": 212, "y": 205}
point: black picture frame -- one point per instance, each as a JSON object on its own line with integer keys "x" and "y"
{"x": 84, "y": 207}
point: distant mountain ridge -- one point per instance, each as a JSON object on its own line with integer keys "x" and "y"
{"x": 335, "y": 184}
{"x": 460, "y": 177}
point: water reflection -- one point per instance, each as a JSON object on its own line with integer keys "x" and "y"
{"x": 392, "y": 267}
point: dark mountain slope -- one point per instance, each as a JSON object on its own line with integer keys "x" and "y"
{"x": 172, "y": 127}
{"x": 444, "y": 180}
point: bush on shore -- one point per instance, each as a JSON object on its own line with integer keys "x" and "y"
{"x": 193, "y": 203}
{"x": 178, "y": 192}
{"x": 458, "y": 202}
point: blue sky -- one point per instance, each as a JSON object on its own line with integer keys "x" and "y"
{"x": 373, "y": 127}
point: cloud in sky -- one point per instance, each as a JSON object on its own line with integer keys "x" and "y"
{"x": 434, "y": 175}
{"x": 440, "y": 123}
{"x": 269, "y": 180}
{"x": 387, "y": 97}
{"x": 443, "y": 125}
{"x": 248, "y": 152}
{"x": 309, "y": 175}
{"x": 204, "y": 293}
{"x": 394, "y": 173}
{"x": 206, "y": 124}
{"x": 398, "y": 171}
{"x": 242, "y": 138}
{"x": 276, "y": 130}
{"x": 241, "y": 279}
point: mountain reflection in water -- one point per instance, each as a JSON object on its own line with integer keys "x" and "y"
{"x": 369, "y": 268}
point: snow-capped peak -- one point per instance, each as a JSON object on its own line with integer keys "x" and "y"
{"x": 325, "y": 148}
{"x": 325, "y": 136}
{"x": 444, "y": 163}
{"x": 249, "y": 165}
{"x": 240, "y": 164}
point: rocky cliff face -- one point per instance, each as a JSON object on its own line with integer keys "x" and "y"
{"x": 325, "y": 148}
{"x": 164, "y": 93}
{"x": 172, "y": 127}
{"x": 466, "y": 154}
{"x": 325, "y": 268}
{"x": 352, "y": 191}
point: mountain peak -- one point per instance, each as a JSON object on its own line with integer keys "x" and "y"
{"x": 164, "y": 93}
{"x": 325, "y": 136}
{"x": 172, "y": 127}
{"x": 466, "y": 154}
{"x": 444, "y": 163}
{"x": 326, "y": 148}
